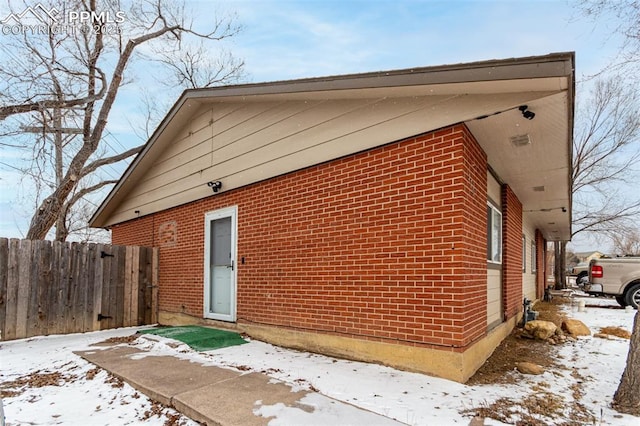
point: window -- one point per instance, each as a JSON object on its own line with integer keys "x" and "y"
{"x": 524, "y": 253}
{"x": 533, "y": 257}
{"x": 494, "y": 234}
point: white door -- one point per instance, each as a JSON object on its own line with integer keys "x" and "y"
{"x": 220, "y": 264}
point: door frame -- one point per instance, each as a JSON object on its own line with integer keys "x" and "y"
{"x": 209, "y": 217}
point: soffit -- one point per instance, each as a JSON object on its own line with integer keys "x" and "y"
{"x": 538, "y": 172}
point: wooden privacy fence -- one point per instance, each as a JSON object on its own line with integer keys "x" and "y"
{"x": 50, "y": 287}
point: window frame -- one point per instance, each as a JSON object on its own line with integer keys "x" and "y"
{"x": 491, "y": 222}
{"x": 524, "y": 253}
{"x": 534, "y": 257}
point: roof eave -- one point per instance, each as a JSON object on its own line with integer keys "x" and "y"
{"x": 551, "y": 65}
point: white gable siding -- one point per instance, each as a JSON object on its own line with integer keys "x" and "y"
{"x": 244, "y": 141}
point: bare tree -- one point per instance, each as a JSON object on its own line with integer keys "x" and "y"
{"x": 627, "y": 398}
{"x": 622, "y": 17}
{"x": 606, "y": 150}
{"x": 627, "y": 243}
{"x": 59, "y": 89}
{"x": 195, "y": 66}
{"x": 626, "y": 18}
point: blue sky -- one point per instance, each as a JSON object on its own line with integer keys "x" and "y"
{"x": 308, "y": 38}
{"x": 290, "y": 39}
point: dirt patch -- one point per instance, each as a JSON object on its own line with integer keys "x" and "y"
{"x": 119, "y": 340}
{"x": 542, "y": 407}
{"x": 159, "y": 410}
{"x": 539, "y": 409}
{"x": 551, "y": 311}
{"x": 37, "y": 379}
{"x": 500, "y": 365}
{"x": 91, "y": 374}
{"x": 115, "y": 382}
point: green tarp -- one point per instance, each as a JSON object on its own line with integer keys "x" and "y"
{"x": 198, "y": 338}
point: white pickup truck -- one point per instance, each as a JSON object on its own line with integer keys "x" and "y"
{"x": 619, "y": 277}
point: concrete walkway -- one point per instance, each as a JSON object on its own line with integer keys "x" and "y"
{"x": 210, "y": 395}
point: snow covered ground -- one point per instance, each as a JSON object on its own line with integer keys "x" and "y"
{"x": 86, "y": 396}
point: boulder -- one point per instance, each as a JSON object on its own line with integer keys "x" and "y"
{"x": 529, "y": 368}
{"x": 540, "y": 329}
{"x": 575, "y": 327}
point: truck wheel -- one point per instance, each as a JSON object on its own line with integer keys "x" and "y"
{"x": 582, "y": 279}
{"x": 621, "y": 301}
{"x": 632, "y": 296}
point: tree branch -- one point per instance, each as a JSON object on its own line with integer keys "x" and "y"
{"x": 6, "y": 111}
{"x": 92, "y": 167}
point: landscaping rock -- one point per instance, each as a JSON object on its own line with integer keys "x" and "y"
{"x": 529, "y": 368}
{"x": 575, "y": 328}
{"x": 541, "y": 330}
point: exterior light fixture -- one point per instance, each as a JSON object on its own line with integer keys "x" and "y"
{"x": 524, "y": 109}
{"x": 215, "y": 186}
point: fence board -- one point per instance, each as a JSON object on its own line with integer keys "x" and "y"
{"x": 24, "y": 278}
{"x": 4, "y": 260}
{"x": 92, "y": 264}
{"x": 31, "y": 259}
{"x": 98, "y": 289}
{"x": 107, "y": 278}
{"x": 72, "y": 288}
{"x": 135, "y": 285}
{"x": 55, "y": 291}
{"x": 126, "y": 320}
{"x": 83, "y": 286}
{"x": 41, "y": 252}
{"x": 144, "y": 308}
{"x": 44, "y": 287}
{"x": 155, "y": 282}
{"x": 53, "y": 287}
{"x": 65, "y": 274}
{"x": 49, "y": 297}
{"x": 119, "y": 284}
{"x": 12, "y": 289}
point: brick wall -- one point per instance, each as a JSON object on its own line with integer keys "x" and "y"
{"x": 511, "y": 252}
{"x": 387, "y": 244}
{"x": 474, "y": 242}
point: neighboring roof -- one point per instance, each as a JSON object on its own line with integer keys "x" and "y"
{"x": 588, "y": 253}
{"x": 246, "y": 133}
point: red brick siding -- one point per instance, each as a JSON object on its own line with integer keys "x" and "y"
{"x": 474, "y": 241}
{"x": 511, "y": 252}
{"x": 387, "y": 244}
